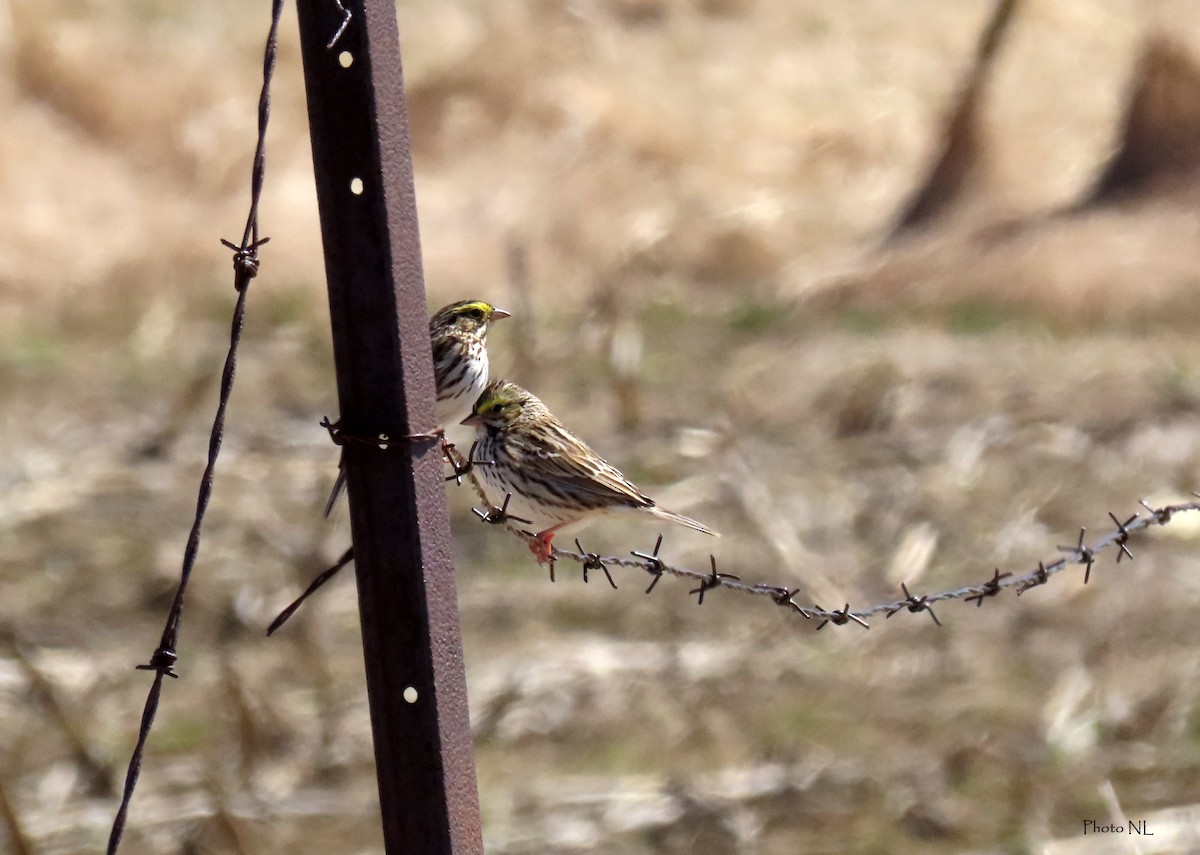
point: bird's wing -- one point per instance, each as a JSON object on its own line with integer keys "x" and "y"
{"x": 576, "y": 467}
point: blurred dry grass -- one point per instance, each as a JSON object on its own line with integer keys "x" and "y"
{"x": 698, "y": 191}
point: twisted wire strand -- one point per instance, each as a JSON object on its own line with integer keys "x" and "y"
{"x": 246, "y": 265}
{"x": 1079, "y": 554}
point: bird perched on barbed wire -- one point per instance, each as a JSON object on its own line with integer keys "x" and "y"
{"x": 552, "y": 478}
{"x": 458, "y": 335}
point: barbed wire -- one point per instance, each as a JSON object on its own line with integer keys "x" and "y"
{"x": 245, "y": 268}
{"x": 651, "y": 563}
{"x": 346, "y": 18}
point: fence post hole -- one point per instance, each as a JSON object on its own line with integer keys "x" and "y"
{"x": 416, "y": 681}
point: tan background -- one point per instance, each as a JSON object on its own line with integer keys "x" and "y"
{"x": 700, "y": 189}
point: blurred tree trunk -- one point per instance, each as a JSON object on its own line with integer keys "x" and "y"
{"x": 957, "y": 169}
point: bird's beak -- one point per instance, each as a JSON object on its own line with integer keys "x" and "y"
{"x": 500, "y": 314}
{"x": 472, "y": 420}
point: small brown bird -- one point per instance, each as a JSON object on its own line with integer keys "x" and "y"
{"x": 554, "y": 479}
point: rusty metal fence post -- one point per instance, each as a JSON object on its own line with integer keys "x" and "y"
{"x": 407, "y": 598}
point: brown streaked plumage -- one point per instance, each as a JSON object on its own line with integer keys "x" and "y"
{"x": 554, "y": 479}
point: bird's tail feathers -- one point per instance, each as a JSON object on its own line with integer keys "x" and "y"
{"x": 663, "y": 513}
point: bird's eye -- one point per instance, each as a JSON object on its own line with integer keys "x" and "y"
{"x": 475, "y": 314}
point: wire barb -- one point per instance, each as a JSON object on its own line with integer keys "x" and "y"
{"x": 989, "y": 589}
{"x": 500, "y": 515}
{"x": 245, "y": 261}
{"x": 1122, "y": 537}
{"x": 1040, "y": 577}
{"x": 782, "y": 597}
{"x": 914, "y": 605}
{"x": 841, "y": 617}
{"x": 462, "y": 467}
{"x": 714, "y": 580}
{"x": 654, "y": 565}
{"x": 1081, "y": 554}
{"x": 346, "y": 16}
{"x": 592, "y": 561}
{"x": 1162, "y": 516}
{"x": 163, "y": 661}
{"x": 804, "y": 613}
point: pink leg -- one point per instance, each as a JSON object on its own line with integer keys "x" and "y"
{"x": 540, "y": 546}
